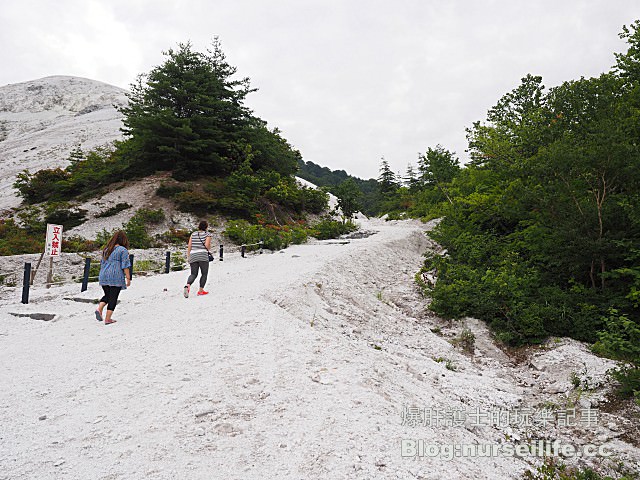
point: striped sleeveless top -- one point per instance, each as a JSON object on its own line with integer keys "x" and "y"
{"x": 198, "y": 250}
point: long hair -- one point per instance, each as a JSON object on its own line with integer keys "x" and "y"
{"x": 119, "y": 238}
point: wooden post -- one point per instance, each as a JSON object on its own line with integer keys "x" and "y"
{"x": 167, "y": 263}
{"x": 242, "y": 249}
{"x": 33, "y": 272}
{"x": 221, "y": 253}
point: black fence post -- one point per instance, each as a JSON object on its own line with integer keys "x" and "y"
{"x": 131, "y": 262}
{"x": 167, "y": 262}
{"x": 221, "y": 252}
{"x": 242, "y": 249}
{"x": 85, "y": 276}
{"x": 25, "y": 282}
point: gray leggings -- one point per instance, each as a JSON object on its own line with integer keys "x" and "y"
{"x": 204, "y": 269}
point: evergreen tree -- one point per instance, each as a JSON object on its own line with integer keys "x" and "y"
{"x": 387, "y": 179}
{"x": 411, "y": 178}
{"x": 187, "y": 115}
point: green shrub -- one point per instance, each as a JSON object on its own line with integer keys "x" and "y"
{"x": 273, "y": 237}
{"x": 15, "y": 240}
{"x": 313, "y": 200}
{"x": 177, "y": 261}
{"x": 94, "y": 271}
{"x": 196, "y": 202}
{"x": 554, "y": 470}
{"x": 328, "y": 228}
{"x": 621, "y": 340}
{"x": 40, "y": 186}
{"x": 137, "y": 234}
{"x": 67, "y": 217}
{"x": 149, "y": 266}
{"x": 299, "y": 234}
{"x": 102, "y": 237}
{"x": 85, "y": 175}
{"x": 149, "y": 216}
{"x": 31, "y": 219}
{"x": 170, "y": 190}
{"x": 76, "y": 243}
{"x": 466, "y": 340}
{"x": 175, "y": 236}
{"x": 111, "y": 211}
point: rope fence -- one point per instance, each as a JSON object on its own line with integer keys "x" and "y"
{"x": 87, "y": 277}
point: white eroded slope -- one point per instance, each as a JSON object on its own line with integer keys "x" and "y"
{"x": 296, "y": 366}
{"x": 42, "y": 121}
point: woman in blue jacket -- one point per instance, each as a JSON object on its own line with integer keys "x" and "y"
{"x": 115, "y": 274}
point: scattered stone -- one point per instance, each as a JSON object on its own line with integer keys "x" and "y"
{"x": 82, "y": 300}
{"x": 42, "y": 417}
{"x": 205, "y": 413}
{"x": 36, "y": 316}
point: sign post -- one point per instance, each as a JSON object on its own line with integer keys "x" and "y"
{"x": 53, "y": 247}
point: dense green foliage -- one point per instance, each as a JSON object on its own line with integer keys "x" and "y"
{"x": 542, "y": 227}
{"x": 328, "y": 228}
{"x": 245, "y": 193}
{"x": 272, "y": 237}
{"x": 15, "y": 240}
{"x": 348, "y": 195}
{"x": 85, "y": 175}
{"x": 275, "y": 237}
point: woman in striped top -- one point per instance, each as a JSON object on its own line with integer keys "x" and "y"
{"x": 198, "y": 257}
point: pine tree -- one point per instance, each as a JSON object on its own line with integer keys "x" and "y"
{"x": 387, "y": 179}
{"x": 187, "y": 115}
{"x": 411, "y": 178}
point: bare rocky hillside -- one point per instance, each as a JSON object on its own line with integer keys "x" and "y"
{"x": 42, "y": 121}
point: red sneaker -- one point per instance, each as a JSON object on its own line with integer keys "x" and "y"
{"x": 203, "y": 293}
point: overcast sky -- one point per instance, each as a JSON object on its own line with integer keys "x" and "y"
{"x": 347, "y": 81}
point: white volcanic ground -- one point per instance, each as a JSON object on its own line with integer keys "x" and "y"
{"x": 43, "y": 120}
{"x": 302, "y": 364}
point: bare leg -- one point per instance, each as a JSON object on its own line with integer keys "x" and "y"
{"x": 107, "y": 319}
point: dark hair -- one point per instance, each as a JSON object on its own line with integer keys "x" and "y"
{"x": 119, "y": 238}
{"x": 203, "y": 225}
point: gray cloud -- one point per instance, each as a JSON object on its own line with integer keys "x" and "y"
{"x": 346, "y": 81}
